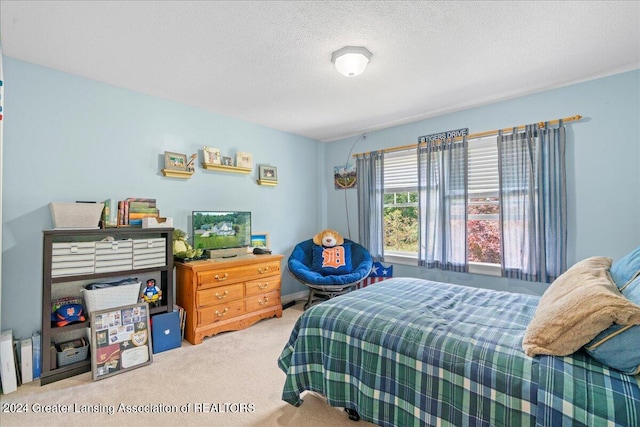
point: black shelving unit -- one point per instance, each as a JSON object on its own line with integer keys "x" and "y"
{"x": 50, "y": 332}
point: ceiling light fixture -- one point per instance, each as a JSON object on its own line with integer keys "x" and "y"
{"x": 351, "y": 60}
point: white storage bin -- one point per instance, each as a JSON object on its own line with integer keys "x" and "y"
{"x": 72, "y": 258}
{"x": 114, "y": 296}
{"x": 114, "y": 256}
{"x": 76, "y": 215}
{"x": 149, "y": 253}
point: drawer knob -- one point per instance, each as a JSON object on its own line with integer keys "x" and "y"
{"x": 263, "y": 301}
{"x": 223, "y": 312}
{"x": 224, "y": 294}
{"x": 263, "y": 270}
{"x": 263, "y": 286}
{"x": 220, "y": 279}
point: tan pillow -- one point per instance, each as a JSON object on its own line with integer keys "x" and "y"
{"x": 578, "y": 305}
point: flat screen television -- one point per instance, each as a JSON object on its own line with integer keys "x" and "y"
{"x": 222, "y": 233}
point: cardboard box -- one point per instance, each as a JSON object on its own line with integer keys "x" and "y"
{"x": 157, "y": 222}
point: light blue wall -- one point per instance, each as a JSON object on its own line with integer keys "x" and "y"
{"x": 67, "y": 138}
{"x": 603, "y": 176}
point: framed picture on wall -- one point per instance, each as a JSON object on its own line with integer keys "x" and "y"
{"x": 344, "y": 177}
{"x": 175, "y": 161}
{"x": 268, "y": 173}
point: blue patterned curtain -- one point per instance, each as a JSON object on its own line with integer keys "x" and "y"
{"x": 370, "y": 179}
{"x": 533, "y": 216}
{"x": 442, "y": 200}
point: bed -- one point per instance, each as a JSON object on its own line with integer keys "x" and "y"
{"x": 412, "y": 352}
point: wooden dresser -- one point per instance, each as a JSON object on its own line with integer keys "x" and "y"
{"x": 228, "y": 294}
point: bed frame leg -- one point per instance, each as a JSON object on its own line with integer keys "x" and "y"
{"x": 353, "y": 415}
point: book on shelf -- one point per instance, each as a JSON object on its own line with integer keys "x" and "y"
{"x": 143, "y": 210}
{"x": 141, "y": 199}
{"x": 140, "y": 215}
{"x": 142, "y": 205}
{"x": 141, "y": 202}
{"x": 110, "y": 213}
{"x": 121, "y": 213}
{"x": 126, "y": 212}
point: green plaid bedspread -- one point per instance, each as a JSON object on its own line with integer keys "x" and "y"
{"x": 578, "y": 391}
{"x": 410, "y": 352}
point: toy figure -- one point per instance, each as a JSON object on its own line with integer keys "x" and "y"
{"x": 191, "y": 167}
{"x": 152, "y": 293}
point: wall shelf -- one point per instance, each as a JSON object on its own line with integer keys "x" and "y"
{"x": 225, "y": 168}
{"x": 176, "y": 174}
{"x": 266, "y": 182}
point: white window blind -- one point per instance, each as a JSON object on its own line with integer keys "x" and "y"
{"x": 483, "y": 167}
{"x": 401, "y": 171}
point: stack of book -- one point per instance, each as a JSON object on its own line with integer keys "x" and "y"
{"x": 141, "y": 208}
{"x": 128, "y": 212}
{"x": 183, "y": 319}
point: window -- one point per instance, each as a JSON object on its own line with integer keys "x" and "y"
{"x": 400, "y": 216}
{"x": 483, "y": 208}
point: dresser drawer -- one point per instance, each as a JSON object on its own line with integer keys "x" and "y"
{"x": 219, "y": 312}
{"x": 259, "y": 302}
{"x": 258, "y": 287}
{"x": 220, "y": 294}
{"x": 216, "y": 277}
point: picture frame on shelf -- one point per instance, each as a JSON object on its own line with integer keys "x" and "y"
{"x": 120, "y": 340}
{"x": 268, "y": 173}
{"x": 212, "y": 156}
{"x": 260, "y": 240}
{"x": 175, "y": 161}
{"x": 227, "y": 161}
{"x": 244, "y": 160}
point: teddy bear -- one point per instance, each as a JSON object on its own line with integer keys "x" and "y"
{"x": 331, "y": 256}
{"x": 328, "y": 238}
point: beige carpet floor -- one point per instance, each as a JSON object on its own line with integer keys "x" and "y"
{"x": 235, "y": 373}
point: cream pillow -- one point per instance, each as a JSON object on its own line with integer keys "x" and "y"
{"x": 578, "y": 305}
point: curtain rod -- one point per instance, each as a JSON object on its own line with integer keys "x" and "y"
{"x": 477, "y": 135}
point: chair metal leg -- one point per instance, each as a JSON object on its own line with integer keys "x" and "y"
{"x": 309, "y": 299}
{"x": 353, "y": 415}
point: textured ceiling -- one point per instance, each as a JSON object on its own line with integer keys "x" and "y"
{"x": 269, "y": 62}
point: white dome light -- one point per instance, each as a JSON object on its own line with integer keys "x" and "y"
{"x": 351, "y": 60}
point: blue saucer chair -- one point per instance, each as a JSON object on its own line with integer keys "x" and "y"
{"x": 322, "y": 286}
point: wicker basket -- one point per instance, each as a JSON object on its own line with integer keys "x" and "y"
{"x": 72, "y": 355}
{"x": 76, "y": 215}
{"x": 115, "y": 296}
